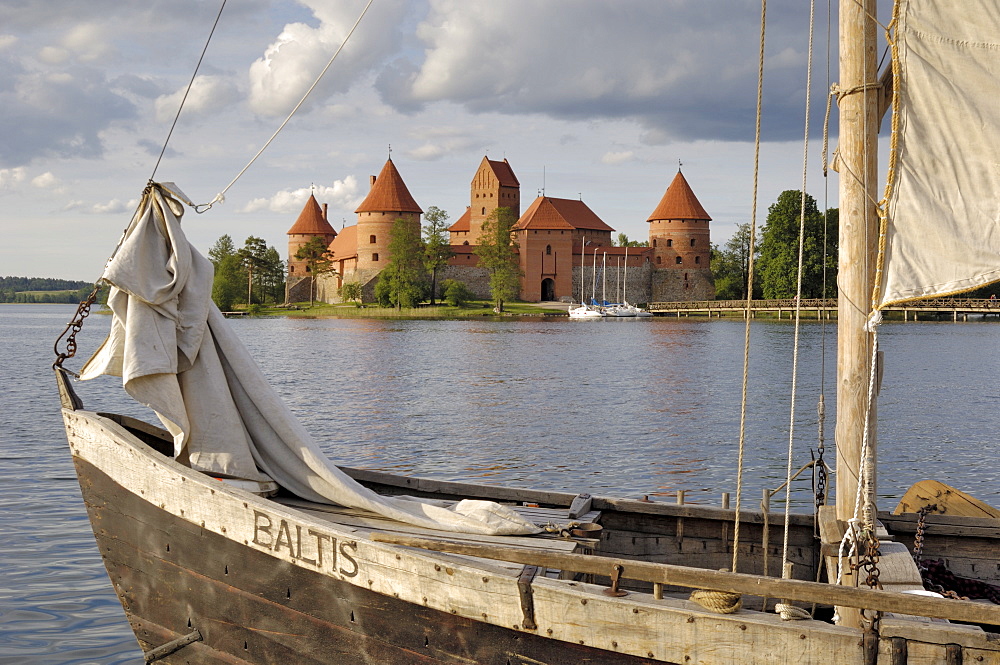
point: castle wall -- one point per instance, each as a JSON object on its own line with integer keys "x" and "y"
{"x": 638, "y": 283}
{"x": 682, "y": 285}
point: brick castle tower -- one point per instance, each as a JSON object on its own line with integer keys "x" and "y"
{"x": 679, "y": 238}
{"x": 388, "y": 200}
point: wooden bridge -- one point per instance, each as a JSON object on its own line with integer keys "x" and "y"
{"x": 939, "y": 308}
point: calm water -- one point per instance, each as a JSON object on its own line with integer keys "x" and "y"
{"x": 612, "y": 407}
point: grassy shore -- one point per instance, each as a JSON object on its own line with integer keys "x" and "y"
{"x": 369, "y": 311}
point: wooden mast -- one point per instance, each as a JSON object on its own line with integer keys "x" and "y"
{"x": 858, "y": 233}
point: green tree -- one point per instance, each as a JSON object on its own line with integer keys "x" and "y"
{"x": 316, "y": 254}
{"x": 254, "y": 257}
{"x": 437, "y": 249}
{"x": 731, "y": 265}
{"x": 456, "y": 293}
{"x": 272, "y": 276}
{"x": 403, "y": 282}
{"x": 227, "y": 284}
{"x": 779, "y": 249}
{"x": 351, "y": 291}
{"x": 222, "y": 248}
{"x": 623, "y": 241}
{"x": 229, "y": 273}
{"x": 497, "y": 253}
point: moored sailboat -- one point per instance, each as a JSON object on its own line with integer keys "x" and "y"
{"x": 355, "y": 566}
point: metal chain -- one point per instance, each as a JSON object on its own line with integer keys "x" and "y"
{"x": 869, "y": 563}
{"x": 72, "y": 328}
{"x": 918, "y": 540}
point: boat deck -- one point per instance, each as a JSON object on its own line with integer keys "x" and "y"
{"x": 365, "y": 523}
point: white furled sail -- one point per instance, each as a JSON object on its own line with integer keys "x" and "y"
{"x": 177, "y": 354}
{"x": 943, "y": 234}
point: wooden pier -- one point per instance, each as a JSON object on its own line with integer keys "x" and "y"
{"x": 955, "y": 309}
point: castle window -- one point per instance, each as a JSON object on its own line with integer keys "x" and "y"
{"x": 697, "y": 260}
{"x": 670, "y": 242}
{"x": 466, "y": 242}
{"x": 371, "y": 239}
{"x": 484, "y": 211}
{"x": 548, "y": 250}
{"x": 375, "y": 256}
{"x": 291, "y": 268}
{"x": 679, "y": 260}
{"x": 654, "y": 242}
{"x": 685, "y": 277}
{"x": 658, "y": 260}
{"x": 692, "y": 242}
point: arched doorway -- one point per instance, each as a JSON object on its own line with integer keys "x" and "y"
{"x": 548, "y": 289}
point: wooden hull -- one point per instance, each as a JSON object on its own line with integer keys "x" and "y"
{"x": 265, "y": 583}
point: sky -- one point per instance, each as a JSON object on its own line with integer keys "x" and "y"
{"x": 587, "y": 99}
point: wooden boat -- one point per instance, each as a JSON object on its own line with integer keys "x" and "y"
{"x": 210, "y": 571}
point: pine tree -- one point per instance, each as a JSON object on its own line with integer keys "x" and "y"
{"x": 316, "y": 254}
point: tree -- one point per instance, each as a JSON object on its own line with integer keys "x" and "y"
{"x": 456, "y": 293}
{"x": 226, "y": 286}
{"x": 779, "y": 249}
{"x": 253, "y": 254}
{"x": 437, "y": 249}
{"x": 403, "y": 282}
{"x": 222, "y": 248}
{"x": 316, "y": 254}
{"x": 623, "y": 241}
{"x": 351, "y": 291}
{"x": 497, "y": 253}
{"x": 229, "y": 273}
{"x": 731, "y": 265}
{"x": 272, "y": 276}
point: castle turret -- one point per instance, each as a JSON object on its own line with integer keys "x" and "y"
{"x": 679, "y": 237}
{"x": 493, "y": 186}
{"x": 388, "y": 200}
{"x": 312, "y": 223}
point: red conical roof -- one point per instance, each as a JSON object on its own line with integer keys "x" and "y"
{"x": 311, "y": 221}
{"x": 679, "y": 202}
{"x": 389, "y": 193}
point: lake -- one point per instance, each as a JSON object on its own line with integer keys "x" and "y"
{"x": 622, "y": 407}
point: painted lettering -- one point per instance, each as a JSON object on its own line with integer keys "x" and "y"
{"x": 352, "y": 545}
{"x": 262, "y": 524}
{"x": 320, "y": 537}
{"x": 298, "y": 542}
{"x": 284, "y": 538}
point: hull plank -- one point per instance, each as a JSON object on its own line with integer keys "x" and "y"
{"x": 258, "y": 609}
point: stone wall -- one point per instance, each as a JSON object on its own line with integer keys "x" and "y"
{"x": 670, "y": 285}
{"x": 476, "y": 279}
{"x": 637, "y": 284}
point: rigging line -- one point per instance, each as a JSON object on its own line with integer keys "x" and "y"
{"x": 221, "y": 196}
{"x": 749, "y": 305}
{"x": 798, "y": 293}
{"x": 194, "y": 75}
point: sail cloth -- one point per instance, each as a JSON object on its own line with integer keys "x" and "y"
{"x": 944, "y": 209}
{"x": 178, "y": 355}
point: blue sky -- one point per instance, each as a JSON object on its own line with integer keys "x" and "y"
{"x": 586, "y": 98}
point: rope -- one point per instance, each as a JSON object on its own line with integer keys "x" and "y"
{"x": 719, "y": 602}
{"x": 746, "y": 335}
{"x": 798, "y": 292}
{"x": 791, "y": 612}
{"x": 180, "y": 106}
{"x": 221, "y": 196}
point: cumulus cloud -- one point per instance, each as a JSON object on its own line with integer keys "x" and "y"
{"x": 11, "y": 177}
{"x": 342, "y": 194}
{"x": 112, "y": 207}
{"x": 291, "y": 63}
{"x": 47, "y": 180}
{"x": 618, "y": 157}
{"x": 208, "y": 94}
{"x": 686, "y": 68}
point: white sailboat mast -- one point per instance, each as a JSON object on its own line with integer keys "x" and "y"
{"x": 858, "y": 235}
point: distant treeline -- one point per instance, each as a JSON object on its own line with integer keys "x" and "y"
{"x": 12, "y": 289}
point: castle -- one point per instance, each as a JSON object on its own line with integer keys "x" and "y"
{"x": 559, "y": 241}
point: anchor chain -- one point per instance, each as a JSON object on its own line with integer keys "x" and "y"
{"x": 918, "y": 540}
{"x": 72, "y": 328}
